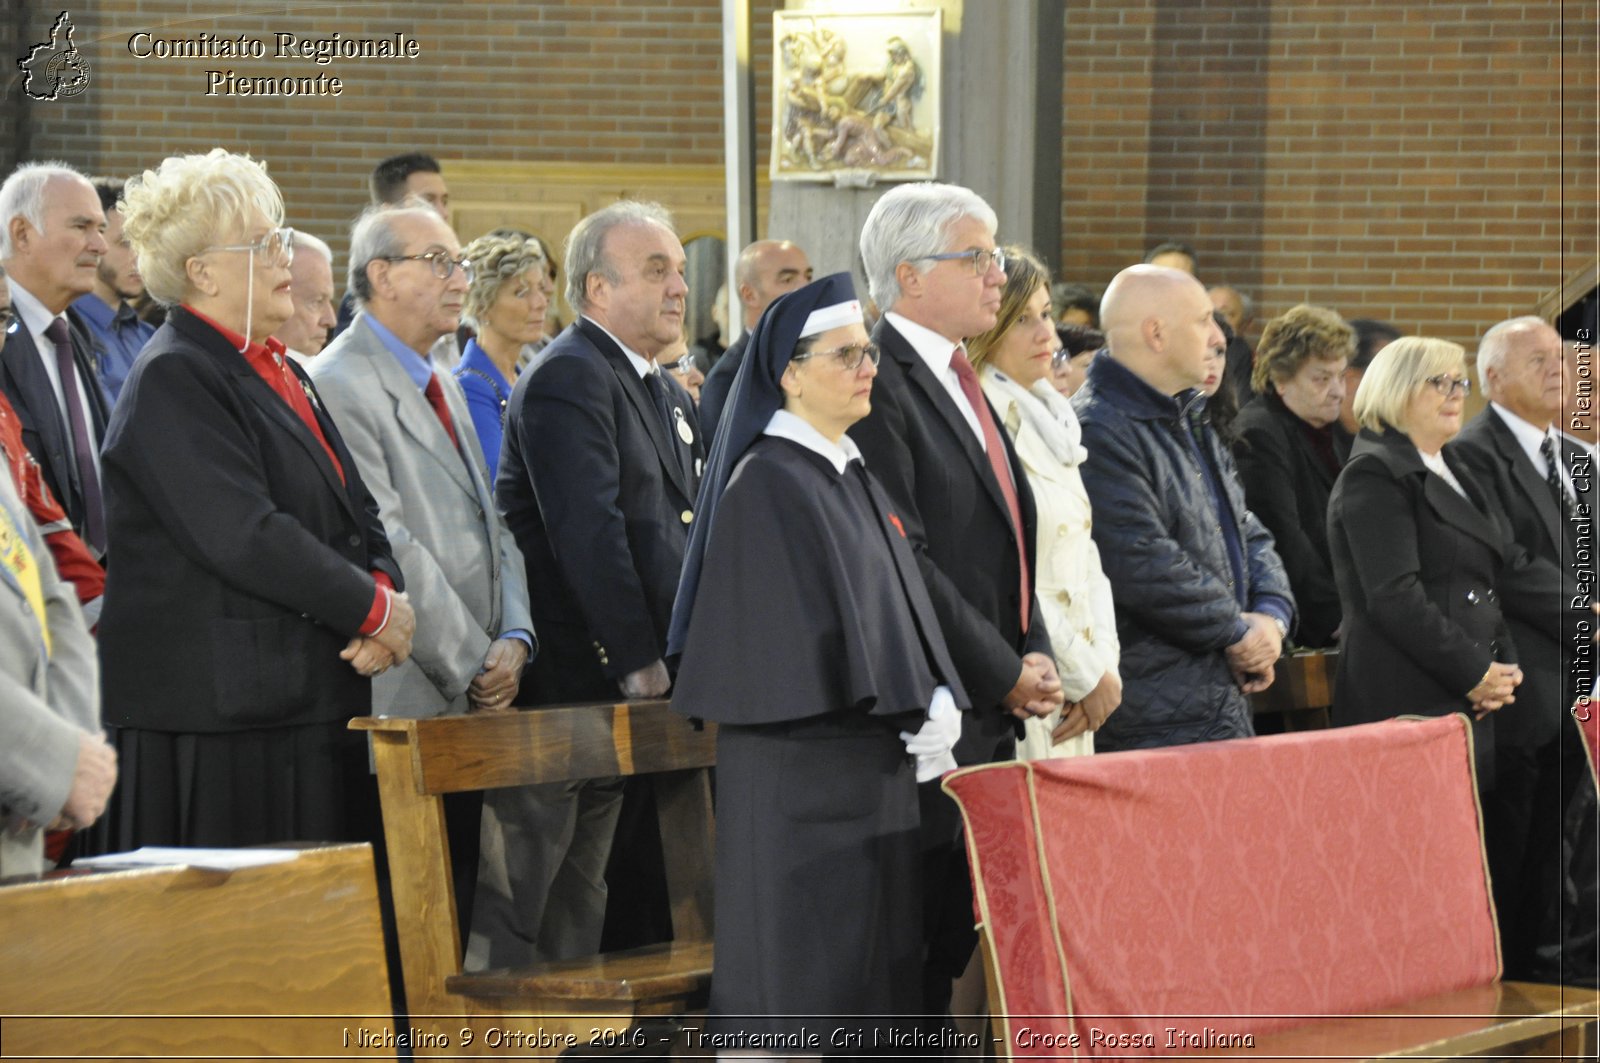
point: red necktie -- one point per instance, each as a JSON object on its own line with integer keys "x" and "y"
{"x": 997, "y": 463}
{"x": 94, "y": 518}
{"x": 435, "y": 396}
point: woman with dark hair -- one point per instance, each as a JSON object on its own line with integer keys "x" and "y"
{"x": 806, "y": 633}
{"x": 1289, "y": 454}
{"x": 1014, "y": 361}
{"x": 254, "y": 592}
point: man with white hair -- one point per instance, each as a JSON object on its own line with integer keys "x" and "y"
{"x": 1203, "y": 603}
{"x": 408, "y": 427}
{"x": 311, "y": 290}
{"x": 1542, "y": 487}
{"x": 52, "y": 237}
{"x": 962, "y": 497}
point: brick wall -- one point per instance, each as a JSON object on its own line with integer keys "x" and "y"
{"x": 1432, "y": 163}
{"x": 602, "y": 81}
{"x": 1428, "y": 163}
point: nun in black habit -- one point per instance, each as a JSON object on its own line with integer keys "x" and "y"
{"x": 806, "y": 633}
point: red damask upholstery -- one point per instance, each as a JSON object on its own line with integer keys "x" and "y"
{"x": 1242, "y": 886}
{"x": 1587, "y": 713}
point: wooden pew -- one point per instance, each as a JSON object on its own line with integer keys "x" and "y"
{"x": 548, "y": 1007}
{"x": 1302, "y": 692}
{"x": 283, "y": 961}
{"x": 1314, "y": 895}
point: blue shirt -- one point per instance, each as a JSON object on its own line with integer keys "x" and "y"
{"x": 420, "y": 369}
{"x": 119, "y": 337}
{"x": 488, "y": 393}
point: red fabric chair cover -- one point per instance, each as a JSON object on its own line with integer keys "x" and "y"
{"x": 1229, "y": 887}
{"x": 1587, "y": 713}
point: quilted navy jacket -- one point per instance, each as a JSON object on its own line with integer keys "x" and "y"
{"x": 1178, "y": 604}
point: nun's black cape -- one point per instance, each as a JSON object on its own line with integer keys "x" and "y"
{"x": 808, "y": 636}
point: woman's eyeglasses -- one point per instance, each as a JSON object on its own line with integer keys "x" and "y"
{"x": 1448, "y": 385}
{"x": 276, "y": 243}
{"x": 848, "y": 358}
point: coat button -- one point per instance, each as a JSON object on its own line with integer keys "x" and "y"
{"x": 1062, "y": 531}
{"x": 1473, "y": 598}
{"x": 1064, "y": 597}
{"x": 686, "y": 516}
{"x": 355, "y": 540}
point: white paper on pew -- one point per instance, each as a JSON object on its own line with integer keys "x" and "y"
{"x": 210, "y": 859}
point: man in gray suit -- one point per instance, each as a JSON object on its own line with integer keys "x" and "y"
{"x": 55, "y": 767}
{"x": 412, "y": 437}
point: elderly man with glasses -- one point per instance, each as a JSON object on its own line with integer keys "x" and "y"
{"x": 408, "y": 426}
{"x": 963, "y": 499}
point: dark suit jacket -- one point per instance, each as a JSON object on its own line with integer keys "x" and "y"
{"x": 1540, "y": 589}
{"x": 599, "y": 494}
{"x": 45, "y": 431}
{"x": 1417, "y": 567}
{"x": 1287, "y": 485}
{"x": 719, "y": 383}
{"x": 242, "y": 562}
{"x": 920, "y": 448}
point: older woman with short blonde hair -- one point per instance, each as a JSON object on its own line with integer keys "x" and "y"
{"x": 1416, "y": 555}
{"x": 254, "y": 592}
{"x": 506, "y": 304}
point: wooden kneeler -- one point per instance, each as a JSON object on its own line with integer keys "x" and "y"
{"x": 545, "y": 1008}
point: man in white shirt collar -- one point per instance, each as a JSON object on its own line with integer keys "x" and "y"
{"x": 1542, "y": 487}
{"x": 930, "y": 256}
{"x": 52, "y": 238}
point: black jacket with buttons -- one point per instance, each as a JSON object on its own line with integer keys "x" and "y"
{"x": 1416, "y": 566}
{"x": 1161, "y": 544}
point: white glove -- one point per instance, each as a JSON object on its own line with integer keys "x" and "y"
{"x": 932, "y": 743}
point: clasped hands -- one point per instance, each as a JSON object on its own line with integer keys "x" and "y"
{"x": 376, "y": 654}
{"x": 1495, "y": 689}
{"x": 1251, "y": 659}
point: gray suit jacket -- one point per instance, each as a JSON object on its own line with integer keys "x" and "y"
{"x": 45, "y": 701}
{"x": 464, "y": 574}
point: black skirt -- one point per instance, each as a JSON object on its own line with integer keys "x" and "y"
{"x": 818, "y": 892}
{"x": 306, "y": 783}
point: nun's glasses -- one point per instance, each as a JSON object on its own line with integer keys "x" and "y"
{"x": 849, "y": 358}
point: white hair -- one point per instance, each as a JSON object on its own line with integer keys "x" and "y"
{"x": 1496, "y": 344}
{"x": 304, "y": 241}
{"x": 373, "y": 237}
{"x": 909, "y": 222}
{"x": 22, "y": 195}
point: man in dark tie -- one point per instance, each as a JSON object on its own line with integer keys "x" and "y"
{"x": 1542, "y": 488}
{"x": 52, "y": 237}
{"x": 963, "y": 498}
{"x": 598, "y": 477}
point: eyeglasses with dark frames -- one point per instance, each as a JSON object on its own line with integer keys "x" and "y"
{"x": 848, "y": 357}
{"x": 1447, "y": 385}
{"x": 981, "y": 259}
{"x": 439, "y": 261}
{"x": 278, "y": 243}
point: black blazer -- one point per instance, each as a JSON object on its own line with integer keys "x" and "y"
{"x": 45, "y": 431}
{"x": 1539, "y": 591}
{"x": 242, "y": 562}
{"x": 920, "y": 448}
{"x": 599, "y": 494}
{"x": 1417, "y": 567}
{"x": 1287, "y": 484}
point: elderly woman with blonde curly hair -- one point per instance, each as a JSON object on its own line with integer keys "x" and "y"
{"x": 254, "y": 592}
{"x": 506, "y": 304}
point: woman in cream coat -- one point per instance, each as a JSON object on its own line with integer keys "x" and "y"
{"x": 1014, "y": 362}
